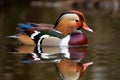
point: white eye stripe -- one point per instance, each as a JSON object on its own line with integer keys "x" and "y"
{"x": 39, "y": 42}
{"x": 70, "y": 17}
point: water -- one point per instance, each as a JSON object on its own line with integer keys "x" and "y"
{"x": 103, "y": 49}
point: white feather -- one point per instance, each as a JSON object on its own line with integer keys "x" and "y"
{"x": 65, "y": 41}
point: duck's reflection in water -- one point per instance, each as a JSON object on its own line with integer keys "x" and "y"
{"x": 51, "y": 54}
{"x": 67, "y": 59}
{"x": 71, "y": 70}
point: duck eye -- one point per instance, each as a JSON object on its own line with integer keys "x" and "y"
{"x": 77, "y": 20}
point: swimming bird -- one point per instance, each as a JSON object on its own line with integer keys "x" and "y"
{"x": 65, "y": 32}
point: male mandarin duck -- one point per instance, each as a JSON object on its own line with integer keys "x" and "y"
{"x": 66, "y": 31}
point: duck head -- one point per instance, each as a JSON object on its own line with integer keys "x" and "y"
{"x": 70, "y": 21}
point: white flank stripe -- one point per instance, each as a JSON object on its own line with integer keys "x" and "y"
{"x": 34, "y": 34}
{"x": 44, "y": 36}
{"x": 39, "y": 45}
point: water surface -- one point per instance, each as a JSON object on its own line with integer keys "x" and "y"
{"x": 103, "y": 49}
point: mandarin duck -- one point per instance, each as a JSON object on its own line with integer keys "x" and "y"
{"x": 65, "y": 32}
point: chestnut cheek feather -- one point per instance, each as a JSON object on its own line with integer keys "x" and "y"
{"x": 79, "y": 25}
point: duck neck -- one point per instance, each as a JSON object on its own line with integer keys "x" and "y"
{"x": 65, "y": 30}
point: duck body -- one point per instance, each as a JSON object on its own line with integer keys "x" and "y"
{"x": 65, "y": 31}
{"x": 74, "y": 39}
{"x": 55, "y": 38}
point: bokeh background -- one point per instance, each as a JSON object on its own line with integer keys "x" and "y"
{"x": 103, "y": 16}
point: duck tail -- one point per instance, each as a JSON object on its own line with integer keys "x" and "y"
{"x": 13, "y": 36}
{"x": 23, "y": 27}
{"x": 26, "y": 28}
{"x": 32, "y": 24}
